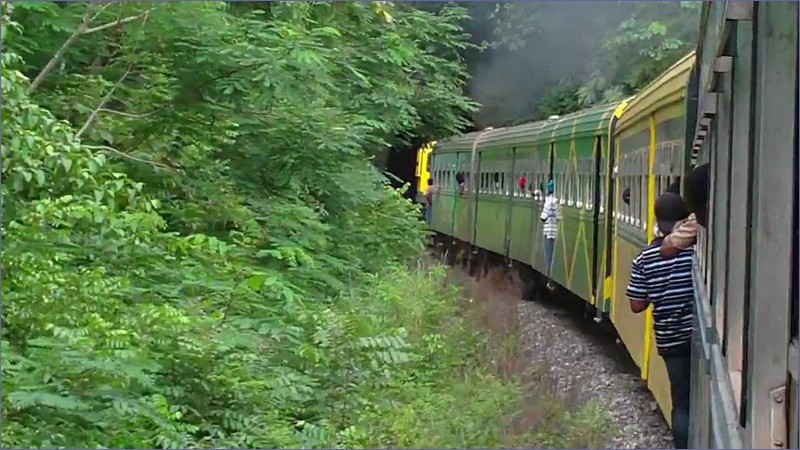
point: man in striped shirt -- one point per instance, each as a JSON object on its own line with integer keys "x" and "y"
{"x": 549, "y": 216}
{"x": 667, "y": 285}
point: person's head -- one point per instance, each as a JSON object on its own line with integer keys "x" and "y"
{"x": 460, "y": 177}
{"x": 695, "y": 193}
{"x": 430, "y": 181}
{"x": 669, "y": 209}
{"x": 675, "y": 187}
{"x": 551, "y": 187}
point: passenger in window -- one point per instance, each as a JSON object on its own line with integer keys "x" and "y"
{"x": 667, "y": 285}
{"x": 675, "y": 187}
{"x": 461, "y": 183}
{"x": 550, "y": 216}
{"x": 696, "y": 197}
{"x": 522, "y": 182}
{"x": 429, "y": 201}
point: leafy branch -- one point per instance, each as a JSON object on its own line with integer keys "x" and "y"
{"x": 124, "y": 155}
{"x": 81, "y": 30}
{"x": 103, "y": 101}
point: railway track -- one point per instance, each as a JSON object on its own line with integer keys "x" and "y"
{"x": 583, "y": 359}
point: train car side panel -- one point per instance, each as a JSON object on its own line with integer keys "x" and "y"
{"x": 492, "y": 205}
{"x": 525, "y": 208}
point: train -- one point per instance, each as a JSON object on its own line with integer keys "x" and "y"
{"x": 732, "y": 102}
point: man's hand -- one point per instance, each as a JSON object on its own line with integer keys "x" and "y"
{"x": 638, "y": 306}
{"x": 668, "y": 250}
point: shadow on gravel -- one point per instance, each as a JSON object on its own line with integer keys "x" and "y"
{"x": 547, "y": 417}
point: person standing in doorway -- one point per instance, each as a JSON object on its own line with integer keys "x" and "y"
{"x": 429, "y": 201}
{"x": 667, "y": 285}
{"x": 549, "y": 216}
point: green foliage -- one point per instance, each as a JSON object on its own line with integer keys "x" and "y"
{"x": 197, "y": 250}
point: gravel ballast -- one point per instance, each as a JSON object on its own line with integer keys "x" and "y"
{"x": 593, "y": 366}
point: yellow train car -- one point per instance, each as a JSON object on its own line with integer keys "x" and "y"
{"x": 650, "y": 155}
{"x": 423, "y": 170}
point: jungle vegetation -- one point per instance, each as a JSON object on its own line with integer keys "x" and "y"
{"x": 198, "y": 252}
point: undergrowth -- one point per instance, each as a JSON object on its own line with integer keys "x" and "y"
{"x": 540, "y": 414}
{"x": 198, "y": 252}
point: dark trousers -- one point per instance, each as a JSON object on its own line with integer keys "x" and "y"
{"x": 549, "y": 250}
{"x": 679, "y": 370}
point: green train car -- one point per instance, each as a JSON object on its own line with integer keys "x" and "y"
{"x": 730, "y": 102}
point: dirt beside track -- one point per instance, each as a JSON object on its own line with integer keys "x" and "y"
{"x": 570, "y": 354}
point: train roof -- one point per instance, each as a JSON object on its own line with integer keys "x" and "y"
{"x": 586, "y": 122}
{"x": 461, "y": 142}
{"x": 668, "y": 88}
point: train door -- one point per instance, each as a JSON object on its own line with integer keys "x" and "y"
{"x": 512, "y": 183}
{"x": 596, "y": 201}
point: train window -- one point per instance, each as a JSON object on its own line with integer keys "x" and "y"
{"x": 567, "y": 188}
{"x": 451, "y": 177}
{"x": 576, "y": 188}
{"x": 525, "y": 192}
{"x": 569, "y": 192}
{"x": 643, "y": 206}
{"x": 592, "y": 184}
{"x": 501, "y": 181}
{"x": 532, "y": 181}
{"x": 603, "y": 181}
{"x": 590, "y": 178}
{"x": 514, "y": 183}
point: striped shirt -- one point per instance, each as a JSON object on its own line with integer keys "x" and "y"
{"x": 667, "y": 284}
{"x": 550, "y": 217}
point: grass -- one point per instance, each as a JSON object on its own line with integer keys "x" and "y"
{"x": 477, "y": 387}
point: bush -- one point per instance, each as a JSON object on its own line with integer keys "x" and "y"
{"x": 211, "y": 260}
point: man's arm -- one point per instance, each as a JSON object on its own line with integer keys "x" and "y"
{"x": 683, "y": 236}
{"x": 637, "y": 288}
